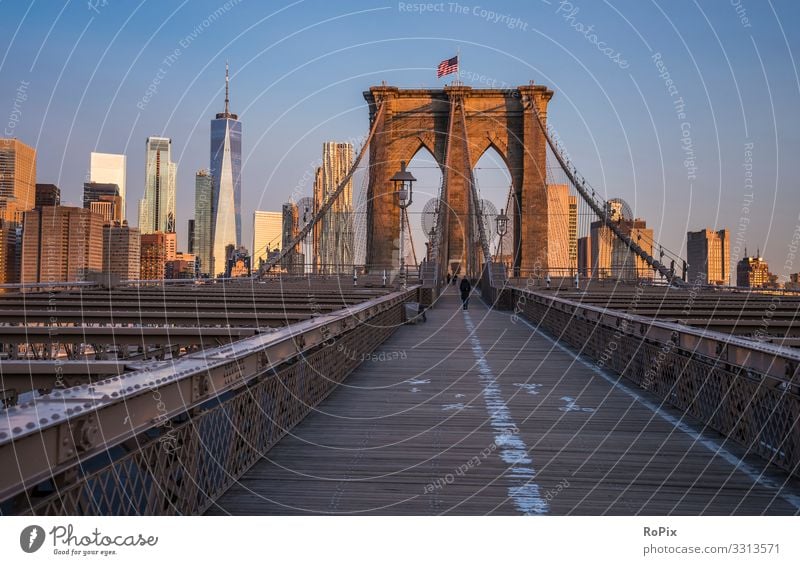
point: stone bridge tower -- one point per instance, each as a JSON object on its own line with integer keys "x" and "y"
{"x": 431, "y": 118}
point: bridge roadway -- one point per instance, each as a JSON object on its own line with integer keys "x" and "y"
{"x": 477, "y": 413}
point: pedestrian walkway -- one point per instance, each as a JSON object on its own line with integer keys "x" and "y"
{"x": 478, "y": 413}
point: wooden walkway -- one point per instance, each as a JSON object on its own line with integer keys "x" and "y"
{"x": 475, "y": 413}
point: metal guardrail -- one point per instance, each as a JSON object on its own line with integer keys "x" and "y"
{"x": 744, "y": 389}
{"x": 172, "y": 436}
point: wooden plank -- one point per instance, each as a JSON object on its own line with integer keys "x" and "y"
{"x": 392, "y": 439}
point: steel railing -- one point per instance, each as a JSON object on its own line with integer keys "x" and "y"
{"x": 744, "y": 389}
{"x": 174, "y": 435}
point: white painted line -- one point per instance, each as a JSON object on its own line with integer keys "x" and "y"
{"x": 524, "y": 491}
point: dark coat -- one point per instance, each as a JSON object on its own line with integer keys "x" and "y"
{"x": 465, "y": 287}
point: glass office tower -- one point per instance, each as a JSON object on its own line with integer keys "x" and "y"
{"x": 203, "y": 212}
{"x": 226, "y": 167}
{"x": 157, "y": 208}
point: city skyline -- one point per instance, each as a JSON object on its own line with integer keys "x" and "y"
{"x": 625, "y": 116}
{"x": 470, "y": 260}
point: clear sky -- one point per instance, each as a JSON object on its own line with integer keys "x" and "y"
{"x": 75, "y": 78}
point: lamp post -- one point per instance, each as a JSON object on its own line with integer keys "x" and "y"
{"x": 403, "y": 185}
{"x": 501, "y": 222}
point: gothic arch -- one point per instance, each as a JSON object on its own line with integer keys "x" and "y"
{"x": 501, "y": 119}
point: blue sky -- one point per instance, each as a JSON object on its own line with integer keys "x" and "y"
{"x": 299, "y": 70}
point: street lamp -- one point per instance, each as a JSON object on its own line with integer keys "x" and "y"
{"x": 403, "y": 185}
{"x": 501, "y": 221}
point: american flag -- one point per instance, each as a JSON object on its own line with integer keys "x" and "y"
{"x": 447, "y": 67}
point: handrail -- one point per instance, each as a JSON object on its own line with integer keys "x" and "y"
{"x": 718, "y": 345}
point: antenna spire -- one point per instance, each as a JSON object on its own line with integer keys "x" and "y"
{"x": 227, "y": 82}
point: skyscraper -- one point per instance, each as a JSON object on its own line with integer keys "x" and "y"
{"x": 333, "y": 234}
{"x": 625, "y": 264}
{"x": 61, "y": 243}
{"x": 157, "y": 208}
{"x": 170, "y": 246}
{"x": 752, "y": 272}
{"x": 153, "y": 256}
{"x": 105, "y": 199}
{"x": 708, "y": 256}
{"x": 573, "y": 231}
{"x": 610, "y": 256}
{"x": 190, "y": 236}
{"x": 10, "y": 251}
{"x": 203, "y": 235}
{"x": 17, "y": 179}
{"x": 293, "y": 262}
{"x": 47, "y": 195}
{"x": 267, "y": 234}
{"x": 109, "y": 168}
{"x": 585, "y": 256}
{"x": 121, "y": 251}
{"x": 562, "y": 251}
{"x": 226, "y": 168}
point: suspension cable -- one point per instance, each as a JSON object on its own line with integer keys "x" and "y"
{"x": 487, "y": 254}
{"x": 600, "y": 208}
{"x": 331, "y": 197}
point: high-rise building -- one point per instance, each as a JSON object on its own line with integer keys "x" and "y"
{"x": 573, "y": 231}
{"x": 190, "y": 236}
{"x": 61, "y": 243}
{"x": 562, "y": 230}
{"x": 170, "y": 246}
{"x": 238, "y": 263}
{"x": 601, "y": 239}
{"x": 333, "y": 234}
{"x": 290, "y": 227}
{"x": 103, "y": 199}
{"x": 47, "y": 195}
{"x": 708, "y": 256}
{"x": 157, "y": 208}
{"x": 182, "y": 267}
{"x": 121, "y": 251}
{"x": 203, "y": 214}
{"x": 611, "y": 257}
{"x": 267, "y": 234}
{"x": 10, "y": 251}
{"x": 104, "y": 208}
{"x": 625, "y": 264}
{"x": 226, "y": 172}
{"x": 17, "y": 179}
{"x": 585, "y": 256}
{"x": 752, "y": 272}
{"x": 109, "y": 168}
{"x": 153, "y": 256}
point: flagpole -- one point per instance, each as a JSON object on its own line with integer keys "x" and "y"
{"x": 458, "y": 65}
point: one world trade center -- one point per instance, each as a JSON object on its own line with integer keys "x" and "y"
{"x": 226, "y": 168}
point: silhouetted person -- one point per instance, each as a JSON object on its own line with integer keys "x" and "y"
{"x": 455, "y": 279}
{"x": 465, "y": 289}
{"x": 448, "y": 278}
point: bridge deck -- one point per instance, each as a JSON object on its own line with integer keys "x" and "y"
{"x": 472, "y": 413}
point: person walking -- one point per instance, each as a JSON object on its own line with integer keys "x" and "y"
{"x": 465, "y": 287}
